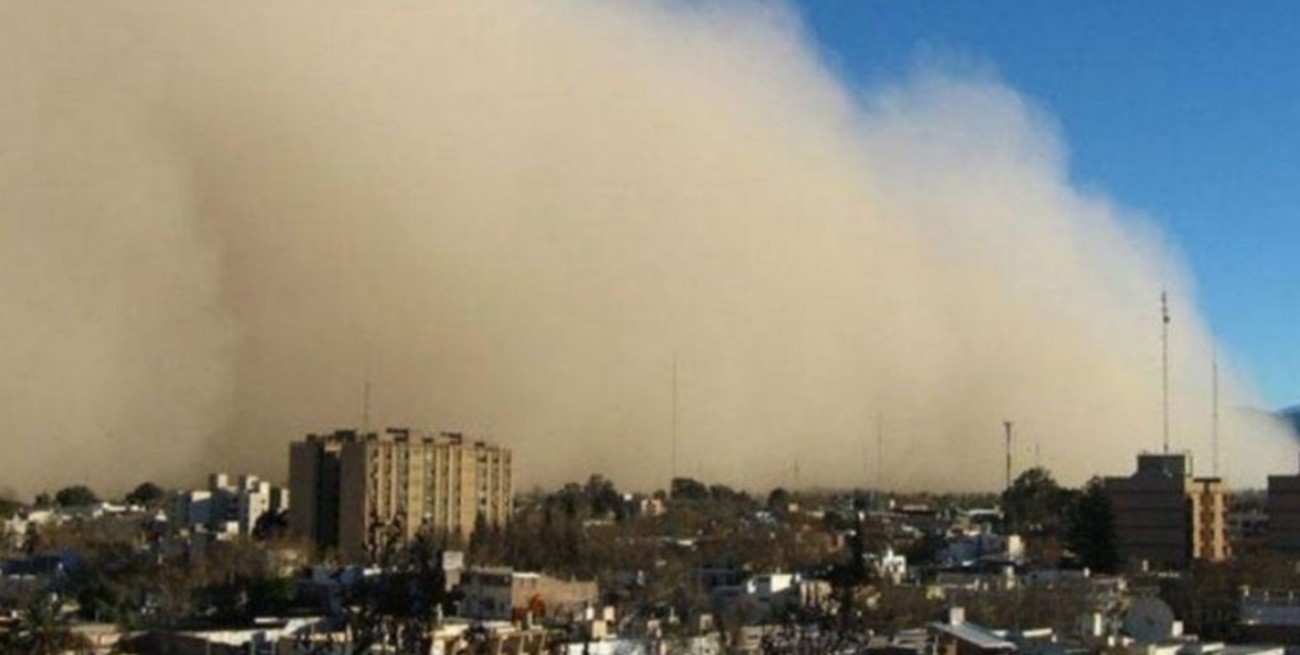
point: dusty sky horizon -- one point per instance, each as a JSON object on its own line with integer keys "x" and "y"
{"x": 218, "y": 223}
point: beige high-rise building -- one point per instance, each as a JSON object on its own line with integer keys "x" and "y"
{"x": 1166, "y": 517}
{"x": 390, "y": 487}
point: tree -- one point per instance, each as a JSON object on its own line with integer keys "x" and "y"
{"x": 1033, "y": 503}
{"x": 926, "y": 549}
{"x": 778, "y": 500}
{"x": 604, "y": 498}
{"x": 271, "y": 526}
{"x": 1091, "y": 528}
{"x": 9, "y": 507}
{"x": 689, "y": 489}
{"x": 42, "y": 629}
{"x": 402, "y": 603}
{"x": 723, "y": 493}
{"x": 75, "y": 496}
{"x": 147, "y": 494}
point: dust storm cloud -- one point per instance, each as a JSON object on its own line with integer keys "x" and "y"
{"x": 217, "y": 222}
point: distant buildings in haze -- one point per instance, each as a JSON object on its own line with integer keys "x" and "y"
{"x": 228, "y": 507}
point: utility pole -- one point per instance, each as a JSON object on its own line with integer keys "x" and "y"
{"x": 1008, "y": 425}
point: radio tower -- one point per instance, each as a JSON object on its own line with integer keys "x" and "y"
{"x": 1008, "y": 425}
{"x": 365, "y": 407}
{"x": 674, "y": 453}
{"x": 1214, "y": 424}
{"x": 1164, "y": 364}
{"x": 880, "y": 452}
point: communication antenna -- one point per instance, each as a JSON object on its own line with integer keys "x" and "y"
{"x": 365, "y": 407}
{"x": 365, "y": 386}
{"x": 1214, "y": 422}
{"x": 1164, "y": 365}
{"x": 1008, "y": 425}
{"x": 866, "y": 463}
{"x": 674, "y": 444}
{"x": 880, "y": 451}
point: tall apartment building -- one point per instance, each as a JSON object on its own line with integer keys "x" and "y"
{"x": 314, "y": 485}
{"x": 1284, "y": 513}
{"x": 1167, "y": 517}
{"x": 358, "y": 493}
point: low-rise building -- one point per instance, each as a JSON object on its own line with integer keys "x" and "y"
{"x": 502, "y": 594}
{"x": 981, "y": 546}
{"x": 227, "y": 507}
{"x": 760, "y": 596}
{"x": 957, "y": 636}
{"x": 1270, "y": 615}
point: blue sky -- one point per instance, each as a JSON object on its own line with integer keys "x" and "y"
{"x": 1187, "y": 116}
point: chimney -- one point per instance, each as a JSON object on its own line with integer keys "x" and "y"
{"x": 956, "y": 615}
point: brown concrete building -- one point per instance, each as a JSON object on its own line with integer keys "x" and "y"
{"x": 314, "y": 486}
{"x": 1284, "y": 513}
{"x": 362, "y": 492}
{"x": 1165, "y": 516}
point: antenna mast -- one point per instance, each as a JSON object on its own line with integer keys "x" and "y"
{"x": 674, "y": 446}
{"x": 1164, "y": 365}
{"x": 1214, "y": 423}
{"x": 880, "y": 451}
{"x": 1007, "y": 425}
{"x": 365, "y": 407}
{"x": 365, "y": 387}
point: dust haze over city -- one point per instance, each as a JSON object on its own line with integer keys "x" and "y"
{"x": 220, "y": 224}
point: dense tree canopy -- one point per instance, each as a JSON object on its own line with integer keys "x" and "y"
{"x": 42, "y": 629}
{"x": 1091, "y": 528}
{"x": 8, "y": 507}
{"x": 147, "y": 494}
{"x": 778, "y": 500}
{"x": 75, "y": 496}
{"x": 689, "y": 489}
{"x": 1034, "y": 503}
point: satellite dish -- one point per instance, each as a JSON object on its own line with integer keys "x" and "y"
{"x": 1149, "y": 620}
